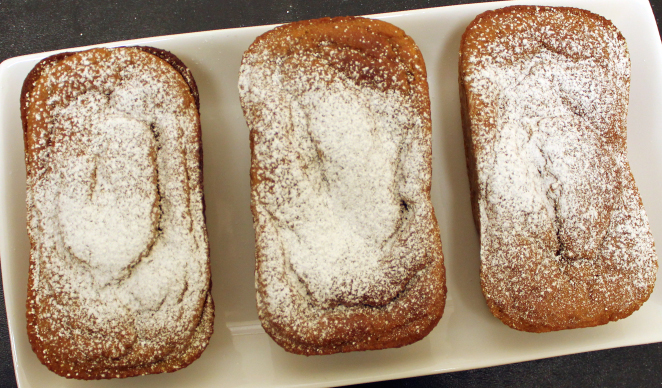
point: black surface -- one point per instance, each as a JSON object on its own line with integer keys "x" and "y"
{"x": 35, "y": 26}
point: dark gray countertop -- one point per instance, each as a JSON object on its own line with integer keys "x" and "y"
{"x": 31, "y": 26}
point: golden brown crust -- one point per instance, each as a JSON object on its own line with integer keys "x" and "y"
{"x": 64, "y": 342}
{"x": 378, "y": 58}
{"x": 565, "y": 242}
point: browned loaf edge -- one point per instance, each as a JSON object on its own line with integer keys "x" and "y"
{"x": 373, "y": 54}
{"x": 55, "y": 349}
{"x": 578, "y": 270}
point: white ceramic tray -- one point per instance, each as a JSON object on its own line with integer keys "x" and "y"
{"x": 240, "y": 354}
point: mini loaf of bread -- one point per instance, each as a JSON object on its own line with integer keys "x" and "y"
{"x": 564, "y": 238}
{"x": 119, "y": 281}
{"x": 347, "y": 244}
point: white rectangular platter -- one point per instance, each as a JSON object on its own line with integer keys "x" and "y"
{"x": 240, "y": 354}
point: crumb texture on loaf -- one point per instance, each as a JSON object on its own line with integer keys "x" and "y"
{"x": 119, "y": 271}
{"x": 348, "y": 248}
{"x": 565, "y": 240}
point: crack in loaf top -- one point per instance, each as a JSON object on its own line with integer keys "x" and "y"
{"x": 340, "y": 134}
{"x": 565, "y": 241}
{"x": 119, "y": 265}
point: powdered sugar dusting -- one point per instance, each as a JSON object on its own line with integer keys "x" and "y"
{"x": 336, "y": 195}
{"x": 556, "y": 199}
{"x": 111, "y": 223}
{"x": 119, "y": 257}
{"x": 345, "y": 232}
